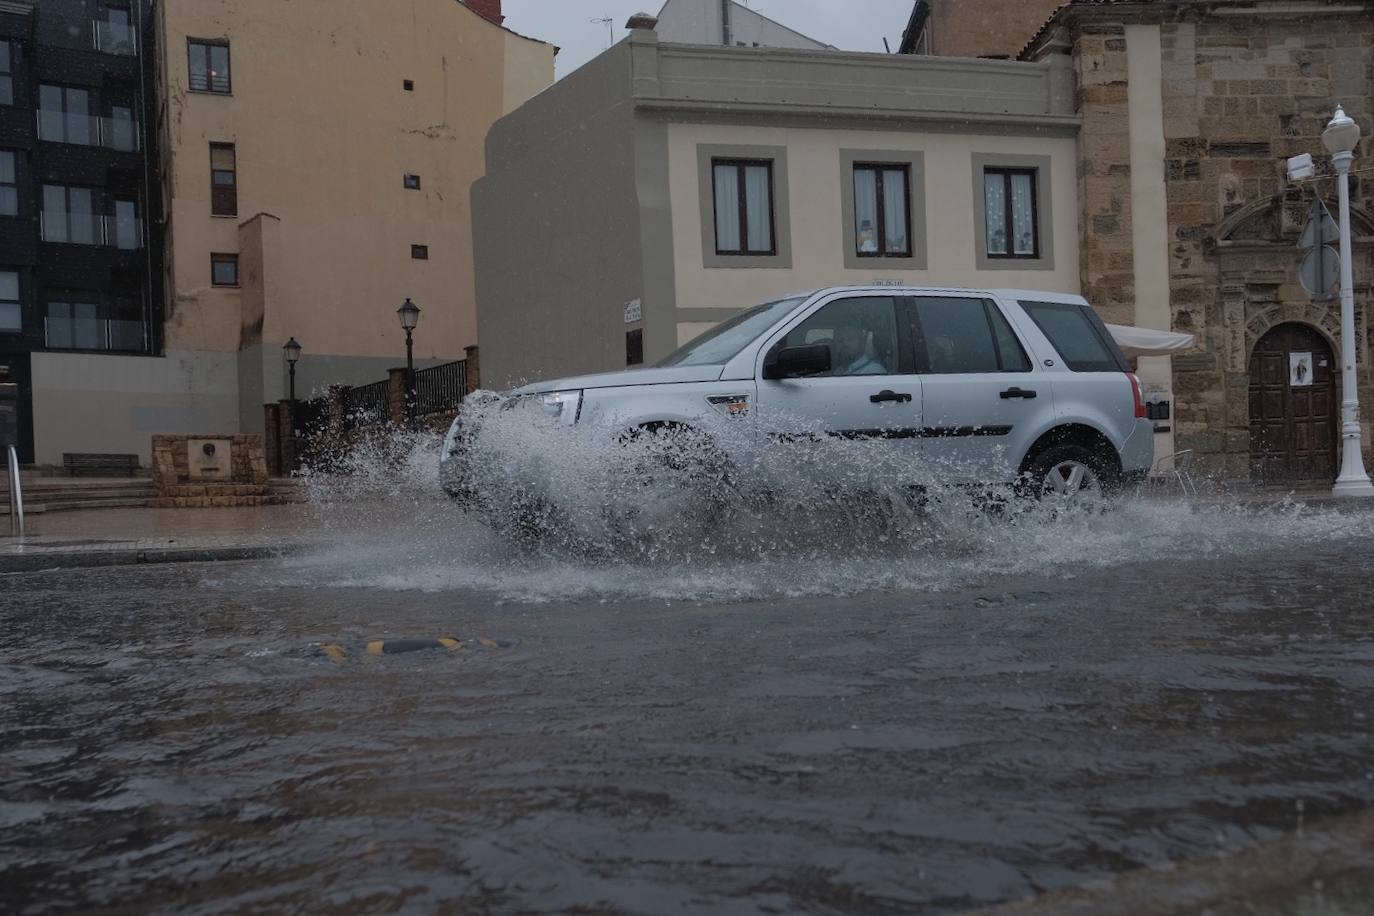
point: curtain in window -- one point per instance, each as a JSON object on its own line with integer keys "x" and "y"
{"x": 9, "y": 190}
{"x": 995, "y": 198}
{"x": 866, "y": 211}
{"x": 54, "y": 213}
{"x": 50, "y": 123}
{"x": 81, "y": 220}
{"x": 758, "y": 193}
{"x": 727, "y": 208}
{"x": 86, "y": 326}
{"x": 1023, "y": 214}
{"x": 78, "y": 110}
{"x": 894, "y": 211}
{"x": 10, "y": 317}
{"x": 59, "y": 325}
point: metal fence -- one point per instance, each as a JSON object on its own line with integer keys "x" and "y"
{"x": 440, "y": 388}
{"x": 309, "y": 422}
{"x": 366, "y": 405}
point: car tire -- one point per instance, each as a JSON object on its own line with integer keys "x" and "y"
{"x": 1070, "y": 474}
{"x": 681, "y": 467}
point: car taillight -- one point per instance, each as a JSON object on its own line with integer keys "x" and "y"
{"x": 1140, "y": 413}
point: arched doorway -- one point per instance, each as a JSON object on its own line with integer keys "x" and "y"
{"x": 1293, "y": 407}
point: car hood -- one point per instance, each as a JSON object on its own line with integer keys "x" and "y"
{"x": 668, "y": 376}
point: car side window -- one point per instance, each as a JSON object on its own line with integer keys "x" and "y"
{"x": 861, "y": 333}
{"x": 1078, "y": 334}
{"x": 1010, "y": 354}
{"x": 954, "y": 335}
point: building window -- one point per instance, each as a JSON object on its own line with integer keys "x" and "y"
{"x": 9, "y": 183}
{"x": 408, "y": 85}
{"x": 127, "y": 229}
{"x": 121, "y": 134}
{"x": 224, "y": 269}
{"x": 114, "y": 34}
{"x": 209, "y": 66}
{"x": 419, "y": 252}
{"x": 74, "y": 326}
{"x": 1012, "y": 222}
{"x": 634, "y": 347}
{"x": 6, "y": 73}
{"x": 64, "y": 115}
{"x": 744, "y": 206}
{"x": 412, "y": 182}
{"x": 224, "y": 182}
{"x": 11, "y": 312}
{"x": 69, "y": 216}
{"x": 882, "y": 207}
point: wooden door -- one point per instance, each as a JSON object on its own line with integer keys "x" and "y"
{"x": 1293, "y": 408}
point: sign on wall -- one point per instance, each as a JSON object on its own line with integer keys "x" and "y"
{"x": 634, "y": 311}
{"x": 1299, "y": 370}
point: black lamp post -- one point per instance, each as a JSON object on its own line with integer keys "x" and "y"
{"x": 409, "y": 313}
{"x": 293, "y": 353}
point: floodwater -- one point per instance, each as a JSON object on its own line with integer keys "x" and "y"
{"x": 745, "y": 736}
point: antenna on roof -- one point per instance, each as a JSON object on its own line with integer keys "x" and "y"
{"x": 609, "y": 23}
{"x": 887, "y": 47}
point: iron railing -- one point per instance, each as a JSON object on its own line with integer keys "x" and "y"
{"x": 366, "y": 405}
{"x": 441, "y": 387}
{"x": 16, "y": 493}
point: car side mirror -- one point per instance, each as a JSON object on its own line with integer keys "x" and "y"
{"x": 791, "y": 362}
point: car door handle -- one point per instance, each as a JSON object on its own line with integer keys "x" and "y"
{"x": 900, "y": 397}
{"x": 1024, "y": 393}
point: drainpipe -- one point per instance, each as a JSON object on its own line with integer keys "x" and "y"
{"x": 725, "y": 30}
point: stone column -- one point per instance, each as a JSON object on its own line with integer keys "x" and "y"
{"x": 286, "y": 432}
{"x": 396, "y": 396}
{"x": 474, "y": 372}
{"x": 271, "y": 439}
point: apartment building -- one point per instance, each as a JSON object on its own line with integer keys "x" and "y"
{"x": 726, "y": 22}
{"x": 186, "y": 185}
{"x": 667, "y": 186}
{"x": 80, "y": 275}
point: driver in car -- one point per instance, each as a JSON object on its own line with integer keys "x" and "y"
{"x": 851, "y": 353}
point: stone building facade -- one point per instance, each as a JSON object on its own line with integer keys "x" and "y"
{"x": 1189, "y": 110}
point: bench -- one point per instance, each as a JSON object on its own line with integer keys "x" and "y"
{"x": 76, "y": 462}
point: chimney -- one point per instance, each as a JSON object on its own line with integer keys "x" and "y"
{"x": 487, "y": 9}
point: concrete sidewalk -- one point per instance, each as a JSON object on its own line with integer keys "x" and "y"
{"x": 117, "y": 537}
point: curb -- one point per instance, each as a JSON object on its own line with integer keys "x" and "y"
{"x": 38, "y": 562}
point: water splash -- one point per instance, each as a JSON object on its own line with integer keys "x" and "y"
{"x": 732, "y": 512}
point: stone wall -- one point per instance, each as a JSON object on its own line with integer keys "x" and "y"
{"x": 985, "y": 28}
{"x": 246, "y": 486}
{"x": 1241, "y": 94}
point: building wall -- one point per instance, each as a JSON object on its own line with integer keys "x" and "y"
{"x": 324, "y": 132}
{"x": 985, "y": 28}
{"x": 1236, "y": 96}
{"x": 815, "y": 179}
{"x": 558, "y": 244}
{"x": 115, "y": 404}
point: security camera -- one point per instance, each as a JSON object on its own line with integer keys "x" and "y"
{"x": 1300, "y": 168}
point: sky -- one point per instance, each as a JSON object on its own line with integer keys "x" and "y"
{"x": 852, "y": 25}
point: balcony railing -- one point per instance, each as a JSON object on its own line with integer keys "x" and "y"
{"x": 84, "y": 333}
{"x": 84, "y": 130}
{"x": 114, "y": 37}
{"x": 123, "y": 233}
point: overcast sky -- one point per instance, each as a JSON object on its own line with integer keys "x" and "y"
{"x": 852, "y": 25}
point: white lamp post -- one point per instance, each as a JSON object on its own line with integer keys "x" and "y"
{"x": 1340, "y": 138}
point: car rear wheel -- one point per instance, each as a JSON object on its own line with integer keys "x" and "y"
{"x": 1070, "y": 475}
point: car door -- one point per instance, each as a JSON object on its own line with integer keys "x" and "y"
{"x": 869, "y": 395}
{"x": 981, "y": 396}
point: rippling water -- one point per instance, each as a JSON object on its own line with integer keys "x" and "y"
{"x": 915, "y": 713}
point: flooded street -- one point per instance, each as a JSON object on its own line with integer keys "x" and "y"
{"x": 742, "y": 736}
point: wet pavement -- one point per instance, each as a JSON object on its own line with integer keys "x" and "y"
{"x": 756, "y": 737}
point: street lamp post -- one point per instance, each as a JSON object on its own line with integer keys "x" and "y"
{"x": 293, "y": 353}
{"x": 1340, "y": 138}
{"x": 409, "y": 313}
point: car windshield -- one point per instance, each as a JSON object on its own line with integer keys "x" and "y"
{"x": 720, "y": 344}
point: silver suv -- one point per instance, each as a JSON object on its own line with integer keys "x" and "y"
{"x": 992, "y": 385}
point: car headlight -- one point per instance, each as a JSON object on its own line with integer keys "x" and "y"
{"x": 562, "y": 405}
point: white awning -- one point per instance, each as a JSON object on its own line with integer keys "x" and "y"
{"x": 1149, "y": 342}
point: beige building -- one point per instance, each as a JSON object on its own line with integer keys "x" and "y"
{"x": 666, "y": 186}
{"x": 316, "y": 159}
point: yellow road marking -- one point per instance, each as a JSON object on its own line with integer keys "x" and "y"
{"x": 336, "y": 652}
{"x": 376, "y": 647}
{"x": 450, "y": 643}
